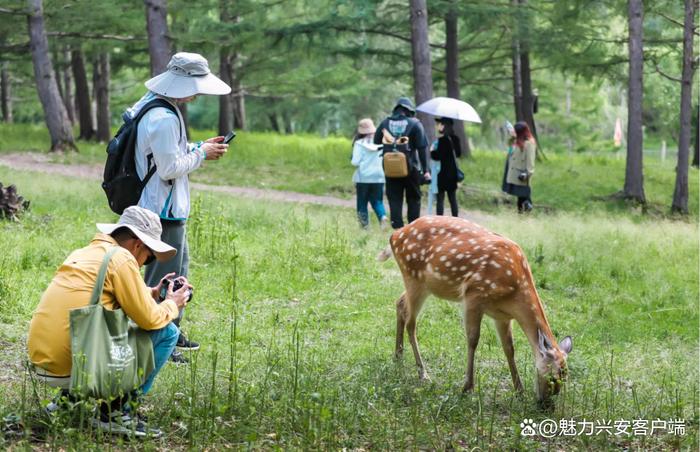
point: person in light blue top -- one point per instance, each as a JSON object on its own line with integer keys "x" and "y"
{"x": 369, "y": 176}
{"x": 433, "y": 187}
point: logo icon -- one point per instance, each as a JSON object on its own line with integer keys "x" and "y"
{"x": 527, "y": 427}
{"x": 121, "y": 352}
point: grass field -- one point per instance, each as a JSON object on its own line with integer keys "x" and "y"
{"x": 307, "y": 164}
{"x": 296, "y": 319}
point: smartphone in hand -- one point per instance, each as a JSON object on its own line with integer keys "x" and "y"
{"x": 228, "y": 138}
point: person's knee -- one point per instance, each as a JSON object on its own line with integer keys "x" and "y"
{"x": 172, "y": 332}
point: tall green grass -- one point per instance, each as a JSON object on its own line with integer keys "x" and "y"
{"x": 296, "y": 320}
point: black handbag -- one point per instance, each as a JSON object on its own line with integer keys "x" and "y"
{"x": 460, "y": 173}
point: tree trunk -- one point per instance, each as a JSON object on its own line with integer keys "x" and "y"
{"x": 225, "y": 102}
{"x": 159, "y": 47}
{"x": 274, "y": 123}
{"x": 634, "y": 176}
{"x": 515, "y": 57}
{"x": 82, "y": 95}
{"x": 696, "y": 140}
{"x": 680, "y": 193}
{"x": 54, "y": 111}
{"x": 68, "y": 98}
{"x": 452, "y": 72}
{"x": 6, "y": 93}
{"x": 100, "y": 81}
{"x": 422, "y": 68}
{"x": 238, "y": 101}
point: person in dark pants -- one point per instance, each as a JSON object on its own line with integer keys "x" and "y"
{"x": 162, "y": 140}
{"x": 402, "y": 123}
{"x": 446, "y": 152}
{"x": 520, "y": 166}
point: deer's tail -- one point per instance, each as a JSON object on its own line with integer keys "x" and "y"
{"x": 385, "y": 254}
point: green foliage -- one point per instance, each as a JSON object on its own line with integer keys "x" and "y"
{"x": 300, "y": 356}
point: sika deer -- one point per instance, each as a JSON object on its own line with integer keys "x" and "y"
{"x": 458, "y": 260}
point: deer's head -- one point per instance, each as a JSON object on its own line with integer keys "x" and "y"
{"x": 551, "y": 366}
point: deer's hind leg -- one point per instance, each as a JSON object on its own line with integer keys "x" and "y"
{"x": 400, "y": 324}
{"x": 413, "y": 302}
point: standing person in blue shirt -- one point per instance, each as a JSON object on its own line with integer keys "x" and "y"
{"x": 402, "y": 123}
{"x": 162, "y": 141}
{"x": 369, "y": 176}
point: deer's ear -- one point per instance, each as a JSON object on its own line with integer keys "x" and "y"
{"x": 566, "y": 344}
{"x": 543, "y": 342}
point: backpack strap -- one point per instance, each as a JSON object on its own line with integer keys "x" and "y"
{"x": 155, "y": 103}
{"x": 99, "y": 283}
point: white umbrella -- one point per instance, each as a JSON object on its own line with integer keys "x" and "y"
{"x": 446, "y": 107}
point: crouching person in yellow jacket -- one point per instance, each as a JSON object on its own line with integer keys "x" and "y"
{"x": 137, "y": 236}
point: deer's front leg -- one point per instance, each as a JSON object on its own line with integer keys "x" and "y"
{"x": 472, "y": 324}
{"x": 414, "y": 301}
{"x": 505, "y": 333}
{"x": 400, "y": 324}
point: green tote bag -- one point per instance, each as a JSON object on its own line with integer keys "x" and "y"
{"x": 111, "y": 355}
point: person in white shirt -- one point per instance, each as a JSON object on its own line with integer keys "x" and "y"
{"x": 162, "y": 141}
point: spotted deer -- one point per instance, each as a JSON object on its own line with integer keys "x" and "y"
{"x": 455, "y": 259}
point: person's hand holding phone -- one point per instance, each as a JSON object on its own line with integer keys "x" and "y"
{"x": 214, "y": 148}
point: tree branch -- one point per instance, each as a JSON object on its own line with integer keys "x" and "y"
{"x": 662, "y": 73}
{"x": 19, "y": 12}
{"x": 75, "y": 34}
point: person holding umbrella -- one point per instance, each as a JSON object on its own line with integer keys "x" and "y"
{"x": 446, "y": 150}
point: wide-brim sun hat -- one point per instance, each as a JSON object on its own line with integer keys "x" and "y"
{"x": 187, "y": 75}
{"x": 146, "y": 226}
{"x": 365, "y": 126}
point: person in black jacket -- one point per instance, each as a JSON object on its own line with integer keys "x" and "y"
{"x": 402, "y": 123}
{"x": 447, "y": 150}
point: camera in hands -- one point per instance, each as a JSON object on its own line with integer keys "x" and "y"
{"x": 176, "y": 283}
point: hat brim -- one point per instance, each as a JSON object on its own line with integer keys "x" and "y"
{"x": 176, "y": 86}
{"x": 161, "y": 250}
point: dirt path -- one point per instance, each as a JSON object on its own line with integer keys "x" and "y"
{"x": 28, "y": 161}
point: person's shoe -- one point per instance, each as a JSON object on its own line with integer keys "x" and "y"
{"x": 527, "y": 206}
{"x": 178, "y": 358}
{"x": 119, "y": 423}
{"x": 383, "y": 223}
{"x": 184, "y": 344}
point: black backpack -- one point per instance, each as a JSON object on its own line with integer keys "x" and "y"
{"x": 121, "y": 183}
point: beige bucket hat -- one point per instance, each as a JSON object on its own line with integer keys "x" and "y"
{"x": 146, "y": 226}
{"x": 187, "y": 74}
{"x": 366, "y": 125}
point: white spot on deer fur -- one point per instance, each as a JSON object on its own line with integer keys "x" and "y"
{"x": 441, "y": 231}
{"x": 408, "y": 257}
{"x": 508, "y": 272}
{"x": 443, "y": 258}
{"x": 429, "y": 268}
{"x": 411, "y": 246}
{"x": 413, "y": 255}
{"x": 432, "y": 230}
{"x": 474, "y": 261}
{"x": 414, "y": 232}
{"x": 448, "y": 264}
{"x": 488, "y": 281}
{"x": 472, "y": 241}
{"x": 420, "y": 236}
{"x": 477, "y": 276}
{"x": 478, "y": 247}
{"x": 462, "y": 268}
{"x": 460, "y": 255}
{"x": 438, "y": 249}
{"x": 453, "y": 251}
{"x": 493, "y": 285}
{"x": 495, "y": 264}
{"x": 401, "y": 235}
{"x": 459, "y": 242}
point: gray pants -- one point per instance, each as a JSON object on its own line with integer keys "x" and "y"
{"x": 175, "y": 235}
